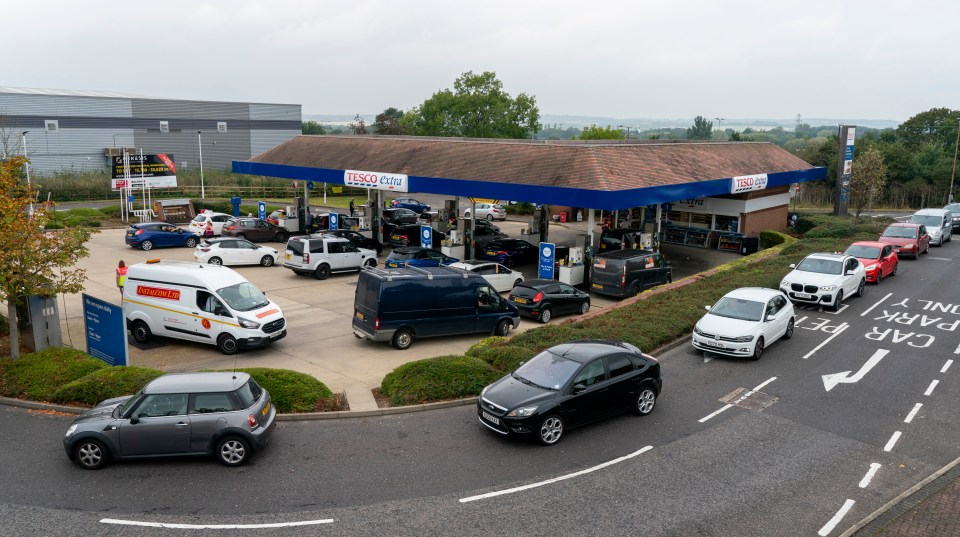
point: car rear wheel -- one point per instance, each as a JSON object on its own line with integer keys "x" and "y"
{"x": 227, "y": 344}
{"x": 233, "y": 451}
{"x": 518, "y": 282}
{"x": 191, "y": 242}
{"x": 141, "y": 332}
{"x": 646, "y": 400}
{"x": 860, "y": 288}
{"x": 267, "y": 261}
{"x": 503, "y": 328}
{"x": 585, "y": 307}
{"x": 215, "y": 261}
{"x": 545, "y": 315}
{"x": 91, "y": 454}
{"x": 789, "y": 333}
{"x": 370, "y": 263}
{"x": 489, "y": 218}
{"x": 758, "y": 349}
{"x": 402, "y": 339}
{"x": 550, "y": 431}
{"x": 838, "y": 301}
{"x": 281, "y": 237}
{"x": 322, "y": 272}
{"x": 146, "y": 245}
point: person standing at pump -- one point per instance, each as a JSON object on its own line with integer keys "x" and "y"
{"x": 352, "y": 207}
{"x": 121, "y": 277}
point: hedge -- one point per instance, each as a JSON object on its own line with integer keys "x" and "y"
{"x": 443, "y": 377}
{"x": 38, "y": 375}
{"x": 105, "y": 383}
{"x": 291, "y": 391}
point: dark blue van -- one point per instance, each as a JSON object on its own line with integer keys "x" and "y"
{"x": 398, "y": 305}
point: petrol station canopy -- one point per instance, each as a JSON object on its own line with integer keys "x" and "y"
{"x": 599, "y": 175}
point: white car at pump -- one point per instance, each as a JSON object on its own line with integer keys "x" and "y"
{"x": 745, "y": 322}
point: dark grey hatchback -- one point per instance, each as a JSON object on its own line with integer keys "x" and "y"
{"x": 224, "y": 414}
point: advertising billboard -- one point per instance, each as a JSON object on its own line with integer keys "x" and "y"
{"x": 157, "y": 171}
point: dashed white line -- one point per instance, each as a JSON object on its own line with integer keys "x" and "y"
{"x": 947, "y": 365}
{"x": 212, "y": 526}
{"x": 877, "y": 303}
{"x": 843, "y": 327}
{"x": 870, "y": 473}
{"x": 800, "y": 320}
{"x": 828, "y": 527}
{"x": 892, "y": 441}
{"x": 916, "y": 408}
{"x": 931, "y": 387}
{"x": 556, "y": 479}
{"x": 712, "y": 414}
{"x": 742, "y": 397}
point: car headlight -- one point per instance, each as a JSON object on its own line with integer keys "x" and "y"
{"x": 522, "y": 412}
{"x": 71, "y": 430}
{"x": 868, "y": 268}
{"x": 696, "y": 330}
{"x": 784, "y": 283}
{"x": 907, "y": 247}
{"x": 247, "y": 323}
{"x": 743, "y": 339}
{"x": 827, "y": 287}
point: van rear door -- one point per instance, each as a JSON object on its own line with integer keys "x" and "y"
{"x": 606, "y": 273}
{"x": 366, "y": 303}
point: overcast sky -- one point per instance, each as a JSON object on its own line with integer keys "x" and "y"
{"x": 641, "y": 58}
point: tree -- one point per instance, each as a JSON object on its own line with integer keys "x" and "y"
{"x": 701, "y": 129}
{"x": 32, "y": 261}
{"x": 477, "y": 107}
{"x": 594, "y": 132}
{"x": 359, "y": 126}
{"x": 388, "y": 122}
{"x": 10, "y": 138}
{"x": 312, "y": 127}
{"x": 868, "y": 179}
{"x": 935, "y": 125}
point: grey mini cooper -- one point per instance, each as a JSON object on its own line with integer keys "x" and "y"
{"x": 224, "y": 414}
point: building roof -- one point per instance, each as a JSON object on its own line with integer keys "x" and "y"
{"x": 109, "y": 95}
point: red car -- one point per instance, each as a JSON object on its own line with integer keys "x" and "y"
{"x": 907, "y": 239}
{"x": 879, "y": 259}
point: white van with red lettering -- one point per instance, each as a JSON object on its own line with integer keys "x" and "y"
{"x": 206, "y": 303}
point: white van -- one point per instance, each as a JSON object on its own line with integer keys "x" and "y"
{"x": 206, "y": 303}
{"x": 939, "y": 224}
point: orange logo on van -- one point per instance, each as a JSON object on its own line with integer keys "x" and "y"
{"x": 205, "y": 323}
{"x": 157, "y": 292}
{"x": 268, "y": 312}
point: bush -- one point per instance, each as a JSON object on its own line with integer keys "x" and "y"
{"x": 38, "y": 375}
{"x": 831, "y": 229}
{"x": 105, "y": 383}
{"x": 113, "y": 211}
{"x": 769, "y": 239}
{"x": 520, "y": 208}
{"x": 291, "y": 391}
{"x": 437, "y": 379}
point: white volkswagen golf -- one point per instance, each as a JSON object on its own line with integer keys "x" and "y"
{"x": 744, "y": 322}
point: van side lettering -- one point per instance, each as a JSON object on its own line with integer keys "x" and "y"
{"x": 157, "y": 292}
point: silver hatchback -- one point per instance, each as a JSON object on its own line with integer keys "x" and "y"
{"x": 224, "y": 414}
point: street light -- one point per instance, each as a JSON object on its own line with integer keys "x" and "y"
{"x": 953, "y": 174}
{"x": 26, "y": 165}
{"x": 720, "y": 123}
{"x": 203, "y": 192}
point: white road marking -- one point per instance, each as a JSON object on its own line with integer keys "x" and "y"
{"x": 948, "y": 364}
{"x": 877, "y": 303}
{"x": 957, "y": 351}
{"x": 870, "y": 473}
{"x": 931, "y": 387}
{"x": 828, "y": 340}
{"x": 556, "y": 479}
{"x": 800, "y": 320}
{"x": 910, "y": 416}
{"x": 828, "y": 527}
{"x": 741, "y": 398}
{"x": 833, "y": 379}
{"x": 892, "y": 441}
{"x": 212, "y": 526}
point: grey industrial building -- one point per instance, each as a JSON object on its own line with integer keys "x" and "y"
{"x": 70, "y": 130}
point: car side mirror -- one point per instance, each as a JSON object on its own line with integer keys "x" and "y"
{"x": 577, "y": 388}
{"x": 134, "y": 420}
{"x": 849, "y": 273}
{"x": 793, "y": 265}
{"x": 770, "y": 317}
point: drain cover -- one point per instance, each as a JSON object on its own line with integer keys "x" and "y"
{"x": 744, "y": 398}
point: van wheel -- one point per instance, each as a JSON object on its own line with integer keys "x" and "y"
{"x": 141, "y": 332}
{"x": 402, "y": 339}
{"x": 267, "y": 261}
{"x": 215, "y": 261}
{"x": 146, "y": 246}
{"x": 322, "y": 272}
{"x": 503, "y": 328}
{"x": 191, "y": 242}
{"x": 227, "y": 344}
{"x": 370, "y": 263}
{"x": 281, "y": 237}
{"x": 545, "y": 315}
{"x": 634, "y": 289}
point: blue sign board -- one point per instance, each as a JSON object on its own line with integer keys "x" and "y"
{"x": 548, "y": 259}
{"x": 426, "y": 236}
{"x": 333, "y": 221}
{"x": 309, "y": 185}
{"x": 262, "y": 210}
{"x": 106, "y": 331}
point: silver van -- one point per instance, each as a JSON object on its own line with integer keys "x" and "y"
{"x": 939, "y": 224}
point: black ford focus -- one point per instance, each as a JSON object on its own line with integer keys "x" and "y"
{"x": 571, "y": 385}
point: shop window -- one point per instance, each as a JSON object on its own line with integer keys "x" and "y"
{"x": 728, "y": 223}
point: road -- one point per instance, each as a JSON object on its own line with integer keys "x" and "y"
{"x": 792, "y": 458}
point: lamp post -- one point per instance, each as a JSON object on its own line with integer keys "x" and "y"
{"x": 953, "y": 174}
{"x": 720, "y": 124}
{"x": 203, "y": 192}
{"x": 26, "y": 165}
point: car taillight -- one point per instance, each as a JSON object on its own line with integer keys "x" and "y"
{"x": 623, "y": 278}
{"x": 306, "y": 259}
{"x": 204, "y": 249}
{"x": 404, "y": 237}
{"x": 502, "y": 252}
{"x": 376, "y": 324}
{"x": 231, "y": 227}
{"x": 139, "y": 231}
{"x": 252, "y": 420}
{"x": 538, "y": 297}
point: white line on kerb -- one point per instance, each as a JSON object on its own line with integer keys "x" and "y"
{"x": 870, "y": 473}
{"x": 877, "y": 303}
{"x": 892, "y": 441}
{"x": 916, "y": 408}
{"x": 931, "y": 387}
{"x": 947, "y": 365}
{"x": 556, "y": 479}
{"x": 828, "y": 340}
{"x": 742, "y": 397}
{"x": 828, "y": 527}
{"x": 212, "y": 526}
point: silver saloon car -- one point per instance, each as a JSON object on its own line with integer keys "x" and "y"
{"x": 224, "y": 414}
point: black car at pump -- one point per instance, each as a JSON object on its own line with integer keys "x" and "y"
{"x": 569, "y": 385}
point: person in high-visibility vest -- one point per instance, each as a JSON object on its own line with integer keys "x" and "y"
{"x": 121, "y": 276}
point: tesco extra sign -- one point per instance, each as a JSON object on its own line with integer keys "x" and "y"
{"x": 380, "y": 181}
{"x": 747, "y": 183}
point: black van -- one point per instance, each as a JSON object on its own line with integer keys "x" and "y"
{"x": 626, "y": 272}
{"x": 398, "y": 305}
{"x": 618, "y": 239}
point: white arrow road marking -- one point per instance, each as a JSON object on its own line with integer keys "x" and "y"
{"x": 828, "y": 527}
{"x": 870, "y": 473}
{"x": 830, "y": 381}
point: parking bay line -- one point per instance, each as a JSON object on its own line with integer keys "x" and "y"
{"x": 877, "y": 303}
{"x": 949, "y": 363}
{"x": 828, "y": 527}
{"x": 930, "y": 388}
{"x": 892, "y": 441}
{"x": 171, "y": 525}
{"x": 741, "y": 398}
{"x": 556, "y": 479}
{"x": 843, "y": 327}
{"x": 910, "y": 416}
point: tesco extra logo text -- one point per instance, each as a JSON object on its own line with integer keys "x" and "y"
{"x": 377, "y": 180}
{"x": 747, "y": 183}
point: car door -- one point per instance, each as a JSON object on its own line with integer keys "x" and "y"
{"x": 489, "y": 306}
{"x": 227, "y": 251}
{"x": 852, "y": 282}
{"x": 622, "y": 386}
{"x": 570, "y": 298}
{"x": 261, "y": 231}
{"x": 774, "y": 328}
{"x": 208, "y": 413}
{"x": 923, "y": 240}
{"x": 208, "y": 317}
{"x": 247, "y": 253}
{"x": 350, "y": 256}
{"x": 886, "y": 260}
{"x": 218, "y": 221}
{"x": 159, "y": 425}
{"x": 588, "y": 394}
{"x": 170, "y": 235}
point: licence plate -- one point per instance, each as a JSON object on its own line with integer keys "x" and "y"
{"x": 491, "y": 418}
{"x": 266, "y": 409}
{"x": 492, "y": 253}
{"x": 802, "y": 295}
{"x": 288, "y": 257}
{"x": 715, "y": 344}
{"x": 597, "y": 285}
{"x": 519, "y": 300}
{"x": 360, "y": 315}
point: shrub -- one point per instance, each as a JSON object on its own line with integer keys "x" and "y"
{"x": 105, "y": 383}
{"x": 769, "y": 239}
{"x": 112, "y": 211}
{"x": 38, "y": 375}
{"x": 831, "y": 229}
{"x": 291, "y": 391}
{"x": 436, "y": 379}
{"x": 520, "y": 208}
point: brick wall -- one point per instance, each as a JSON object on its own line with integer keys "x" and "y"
{"x": 774, "y": 218}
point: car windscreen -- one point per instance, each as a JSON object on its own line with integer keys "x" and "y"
{"x": 864, "y": 252}
{"x": 900, "y": 232}
{"x": 295, "y": 246}
{"x": 821, "y": 266}
{"x": 243, "y": 297}
{"x": 927, "y": 220}
{"x": 547, "y": 370}
{"x": 249, "y": 393}
{"x": 200, "y": 218}
{"x": 524, "y": 291}
{"x": 130, "y": 403}
{"x": 738, "y": 308}
{"x": 402, "y": 256}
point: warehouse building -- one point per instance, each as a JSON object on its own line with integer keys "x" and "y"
{"x": 69, "y": 130}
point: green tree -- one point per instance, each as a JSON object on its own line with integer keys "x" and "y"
{"x": 477, "y": 107}
{"x": 312, "y": 127}
{"x": 594, "y": 132}
{"x": 937, "y": 125}
{"x": 868, "y": 179}
{"x": 358, "y": 126}
{"x": 388, "y": 122}
{"x": 701, "y": 129}
{"x": 32, "y": 261}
